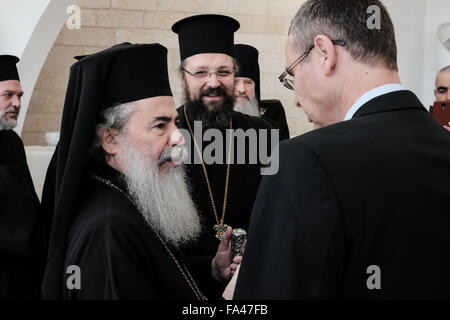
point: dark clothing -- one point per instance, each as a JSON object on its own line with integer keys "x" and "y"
{"x": 48, "y": 199}
{"x": 244, "y": 180}
{"x": 275, "y": 114}
{"x": 92, "y": 87}
{"x": 20, "y": 264}
{"x": 119, "y": 255}
{"x": 372, "y": 191}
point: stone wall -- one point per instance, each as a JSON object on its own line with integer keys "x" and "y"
{"x": 264, "y": 25}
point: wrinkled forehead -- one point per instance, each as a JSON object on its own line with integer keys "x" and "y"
{"x": 155, "y": 107}
{"x": 10, "y": 85}
{"x": 210, "y": 61}
{"x": 236, "y": 79}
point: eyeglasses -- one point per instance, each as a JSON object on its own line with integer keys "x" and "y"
{"x": 289, "y": 82}
{"x": 203, "y": 75}
{"x": 442, "y": 89}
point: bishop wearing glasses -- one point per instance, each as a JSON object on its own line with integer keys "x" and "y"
{"x": 223, "y": 188}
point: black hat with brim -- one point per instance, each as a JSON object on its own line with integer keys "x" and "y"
{"x": 247, "y": 59}
{"x": 123, "y": 73}
{"x": 8, "y": 68}
{"x": 80, "y": 57}
{"x": 206, "y": 33}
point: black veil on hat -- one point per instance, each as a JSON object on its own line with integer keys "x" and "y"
{"x": 123, "y": 73}
{"x": 79, "y": 57}
{"x": 8, "y": 68}
{"x": 247, "y": 59}
{"x": 206, "y": 33}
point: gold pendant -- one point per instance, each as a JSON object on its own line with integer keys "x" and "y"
{"x": 220, "y": 229}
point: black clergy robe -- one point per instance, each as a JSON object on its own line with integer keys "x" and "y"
{"x": 275, "y": 114}
{"x": 20, "y": 267}
{"x": 244, "y": 181}
{"x": 118, "y": 254}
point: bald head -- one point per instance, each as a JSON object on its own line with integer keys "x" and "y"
{"x": 441, "y": 91}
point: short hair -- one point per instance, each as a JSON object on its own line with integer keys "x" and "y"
{"x": 115, "y": 117}
{"x": 347, "y": 20}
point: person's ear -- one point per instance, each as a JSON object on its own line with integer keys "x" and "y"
{"x": 327, "y": 52}
{"x": 109, "y": 141}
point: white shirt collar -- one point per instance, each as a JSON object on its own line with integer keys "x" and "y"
{"x": 369, "y": 95}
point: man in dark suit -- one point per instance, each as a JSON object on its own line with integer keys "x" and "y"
{"x": 359, "y": 207}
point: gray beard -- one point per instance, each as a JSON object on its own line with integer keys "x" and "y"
{"x": 6, "y": 124}
{"x": 249, "y": 107}
{"x": 163, "y": 199}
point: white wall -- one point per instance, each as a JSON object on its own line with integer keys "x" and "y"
{"x": 420, "y": 55}
{"x": 18, "y": 19}
{"x": 408, "y": 17}
{"x": 436, "y": 56}
{"x": 28, "y": 29}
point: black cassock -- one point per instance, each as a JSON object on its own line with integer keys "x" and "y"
{"x": 244, "y": 181}
{"x": 119, "y": 256}
{"x": 20, "y": 264}
{"x": 275, "y": 114}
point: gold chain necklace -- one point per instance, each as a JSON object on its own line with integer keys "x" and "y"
{"x": 220, "y": 227}
{"x": 199, "y": 295}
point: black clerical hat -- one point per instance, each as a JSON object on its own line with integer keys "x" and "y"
{"x": 129, "y": 72}
{"x": 137, "y": 72}
{"x": 120, "y": 74}
{"x": 247, "y": 59}
{"x": 206, "y": 33}
{"x": 8, "y": 68}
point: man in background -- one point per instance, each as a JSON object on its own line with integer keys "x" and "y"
{"x": 247, "y": 90}
{"x": 20, "y": 264}
{"x": 442, "y": 92}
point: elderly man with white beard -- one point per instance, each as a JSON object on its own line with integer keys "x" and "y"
{"x": 123, "y": 213}
{"x": 246, "y": 83}
{"x": 247, "y": 90}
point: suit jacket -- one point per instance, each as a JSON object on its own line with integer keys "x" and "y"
{"x": 358, "y": 209}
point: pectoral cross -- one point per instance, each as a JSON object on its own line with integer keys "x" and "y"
{"x": 220, "y": 229}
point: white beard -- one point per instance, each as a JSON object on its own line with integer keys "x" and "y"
{"x": 163, "y": 199}
{"x": 6, "y": 124}
{"x": 249, "y": 107}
